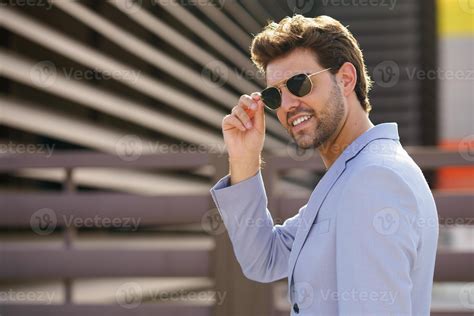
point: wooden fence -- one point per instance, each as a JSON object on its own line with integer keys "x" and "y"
{"x": 243, "y": 297}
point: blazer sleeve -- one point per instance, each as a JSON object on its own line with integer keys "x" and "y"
{"x": 377, "y": 242}
{"x": 262, "y": 248}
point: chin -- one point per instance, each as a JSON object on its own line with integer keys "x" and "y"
{"x": 304, "y": 141}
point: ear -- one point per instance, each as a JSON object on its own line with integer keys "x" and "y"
{"x": 347, "y": 78}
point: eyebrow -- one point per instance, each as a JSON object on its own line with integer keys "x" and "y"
{"x": 279, "y": 82}
{"x": 298, "y": 73}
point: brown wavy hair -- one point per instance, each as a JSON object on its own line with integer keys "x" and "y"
{"x": 332, "y": 43}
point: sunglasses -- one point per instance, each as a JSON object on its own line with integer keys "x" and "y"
{"x": 299, "y": 85}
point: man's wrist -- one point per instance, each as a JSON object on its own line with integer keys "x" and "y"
{"x": 241, "y": 169}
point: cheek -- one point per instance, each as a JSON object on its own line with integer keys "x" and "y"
{"x": 320, "y": 94}
{"x": 282, "y": 117}
{"x": 317, "y": 102}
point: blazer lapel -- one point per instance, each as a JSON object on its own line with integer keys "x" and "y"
{"x": 315, "y": 201}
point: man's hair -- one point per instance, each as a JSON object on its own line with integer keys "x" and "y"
{"x": 332, "y": 43}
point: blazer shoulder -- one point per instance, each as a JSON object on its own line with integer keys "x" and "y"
{"x": 388, "y": 153}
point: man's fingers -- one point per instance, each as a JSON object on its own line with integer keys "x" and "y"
{"x": 242, "y": 115}
{"x": 231, "y": 121}
{"x": 256, "y": 96}
{"x": 249, "y": 104}
{"x": 247, "y": 101}
{"x": 249, "y": 112}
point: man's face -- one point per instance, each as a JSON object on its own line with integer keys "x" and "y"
{"x": 325, "y": 104}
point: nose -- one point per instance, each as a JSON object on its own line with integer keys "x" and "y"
{"x": 288, "y": 101}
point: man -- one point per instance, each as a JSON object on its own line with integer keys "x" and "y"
{"x": 365, "y": 243}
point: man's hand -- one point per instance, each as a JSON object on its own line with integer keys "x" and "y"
{"x": 244, "y": 135}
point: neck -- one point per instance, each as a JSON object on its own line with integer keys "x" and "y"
{"x": 356, "y": 123}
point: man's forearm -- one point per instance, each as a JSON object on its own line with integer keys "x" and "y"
{"x": 243, "y": 169}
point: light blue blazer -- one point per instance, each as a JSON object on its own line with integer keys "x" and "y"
{"x": 364, "y": 244}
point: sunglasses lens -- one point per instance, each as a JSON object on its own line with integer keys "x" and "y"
{"x": 299, "y": 85}
{"x": 271, "y": 97}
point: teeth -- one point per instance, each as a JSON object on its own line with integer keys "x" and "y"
{"x": 301, "y": 119}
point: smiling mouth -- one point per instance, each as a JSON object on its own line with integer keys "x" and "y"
{"x": 300, "y": 120}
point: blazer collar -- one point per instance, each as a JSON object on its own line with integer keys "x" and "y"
{"x": 380, "y": 131}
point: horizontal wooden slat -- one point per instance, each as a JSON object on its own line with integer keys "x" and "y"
{"x": 378, "y": 41}
{"x": 454, "y": 267}
{"x": 17, "y": 209}
{"x": 106, "y": 310}
{"x": 24, "y": 263}
{"x": 425, "y": 157}
{"x": 402, "y": 87}
{"x": 432, "y": 157}
{"x": 385, "y": 9}
{"x": 74, "y": 159}
{"x": 397, "y": 103}
{"x": 281, "y": 163}
{"x": 49, "y": 263}
{"x": 453, "y": 208}
{"x": 432, "y": 313}
{"x": 400, "y": 56}
{"x": 412, "y": 116}
{"x": 381, "y": 25}
{"x": 451, "y": 313}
